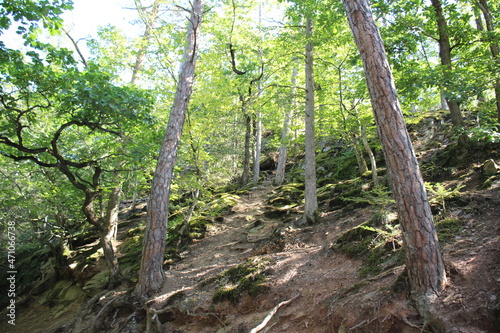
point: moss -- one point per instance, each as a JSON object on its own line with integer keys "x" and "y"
{"x": 131, "y": 250}
{"x": 246, "y": 278}
{"x": 448, "y": 228}
{"x": 287, "y": 195}
{"x": 401, "y": 284}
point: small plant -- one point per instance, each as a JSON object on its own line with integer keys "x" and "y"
{"x": 379, "y": 197}
{"x": 379, "y": 248}
{"x": 438, "y": 193}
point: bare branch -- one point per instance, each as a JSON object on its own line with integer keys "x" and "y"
{"x": 76, "y": 48}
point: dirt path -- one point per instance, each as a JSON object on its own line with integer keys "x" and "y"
{"x": 302, "y": 269}
{"x": 226, "y": 243}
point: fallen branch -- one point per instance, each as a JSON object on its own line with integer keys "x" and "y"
{"x": 271, "y": 314}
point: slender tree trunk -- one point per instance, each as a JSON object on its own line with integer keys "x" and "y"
{"x": 424, "y": 262}
{"x": 149, "y": 18}
{"x": 373, "y": 162}
{"x": 494, "y": 48}
{"x": 280, "y": 168}
{"x": 111, "y": 216}
{"x": 246, "y": 159}
{"x": 258, "y": 148}
{"x": 151, "y": 275}
{"x": 311, "y": 200}
{"x": 445, "y": 56}
{"x": 359, "y": 155}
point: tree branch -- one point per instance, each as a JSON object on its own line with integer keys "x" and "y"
{"x": 76, "y": 48}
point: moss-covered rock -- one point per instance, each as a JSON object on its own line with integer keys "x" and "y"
{"x": 98, "y": 283}
{"x": 246, "y": 278}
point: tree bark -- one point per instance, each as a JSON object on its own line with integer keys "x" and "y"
{"x": 445, "y": 56}
{"x": 424, "y": 262}
{"x": 151, "y": 275}
{"x": 311, "y": 200}
{"x": 282, "y": 153}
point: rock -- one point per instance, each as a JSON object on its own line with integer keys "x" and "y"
{"x": 490, "y": 167}
{"x": 97, "y": 283}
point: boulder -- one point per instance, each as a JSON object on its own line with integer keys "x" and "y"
{"x": 490, "y": 168}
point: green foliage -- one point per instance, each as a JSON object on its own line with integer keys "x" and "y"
{"x": 379, "y": 197}
{"x": 29, "y": 14}
{"x": 438, "y": 193}
{"x": 484, "y": 134}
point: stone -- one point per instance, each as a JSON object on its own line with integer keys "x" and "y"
{"x": 490, "y": 167}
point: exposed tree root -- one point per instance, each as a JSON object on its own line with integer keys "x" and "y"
{"x": 271, "y": 314}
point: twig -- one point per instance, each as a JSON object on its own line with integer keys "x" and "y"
{"x": 271, "y": 314}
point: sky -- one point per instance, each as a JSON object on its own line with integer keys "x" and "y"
{"x": 84, "y": 20}
{"x": 88, "y": 15}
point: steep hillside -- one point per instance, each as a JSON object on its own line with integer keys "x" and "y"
{"x": 255, "y": 271}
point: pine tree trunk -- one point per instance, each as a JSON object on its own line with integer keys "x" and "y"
{"x": 282, "y": 153}
{"x": 424, "y": 262}
{"x": 445, "y": 56}
{"x": 151, "y": 275}
{"x": 311, "y": 200}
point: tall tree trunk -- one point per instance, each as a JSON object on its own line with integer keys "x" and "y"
{"x": 359, "y": 155}
{"x": 246, "y": 159}
{"x": 149, "y": 18}
{"x": 445, "y": 56}
{"x": 373, "y": 162}
{"x": 494, "y": 47}
{"x": 280, "y": 168}
{"x": 151, "y": 275}
{"x": 424, "y": 262}
{"x": 258, "y": 148}
{"x": 311, "y": 199}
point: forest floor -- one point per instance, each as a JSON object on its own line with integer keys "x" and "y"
{"x": 255, "y": 271}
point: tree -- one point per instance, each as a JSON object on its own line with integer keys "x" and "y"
{"x": 59, "y": 118}
{"x": 151, "y": 275}
{"x": 311, "y": 199}
{"x": 445, "y": 56}
{"x": 281, "y": 165}
{"x": 424, "y": 262}
{"x": 494, "y": 47}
